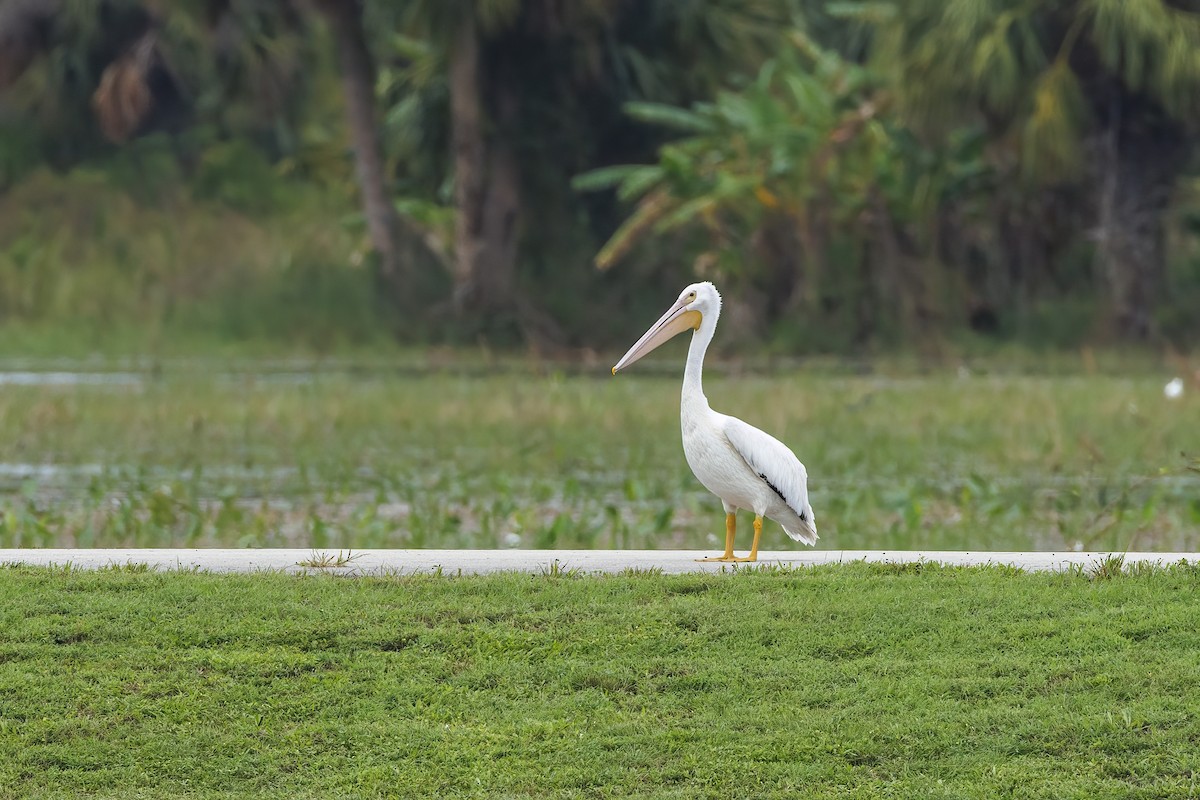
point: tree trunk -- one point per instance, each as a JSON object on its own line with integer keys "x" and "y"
{"x": 25, "y": 27}
{"x": 358, "y": 85}
{"x": 816, "y": 236}
{"x": 1136, "y": 172}
{"x": 781, "y": 246}
{"x": 486, "y": 183}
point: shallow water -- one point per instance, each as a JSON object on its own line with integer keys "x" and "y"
{"x": 71, "y": 378}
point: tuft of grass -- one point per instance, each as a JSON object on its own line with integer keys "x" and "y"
{"x": 557, "y": 569}
{"x": 642, "y": 572}
{"x": 324, "y": 560}
{"x": 131, "y": 567}
{"x": 834, "y": 681}
{"x": 1108, "y": 568}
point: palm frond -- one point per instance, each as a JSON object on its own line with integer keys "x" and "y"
{"x": 1052, "y": 132}
{"x": 638, "y": 182}
{"x": 633, "y": 229}
{"x": 668, "y": 116}
{"x": 996, "y": 65}
{"x": 1154, "y": 47}
{"x": 605, "y": 177}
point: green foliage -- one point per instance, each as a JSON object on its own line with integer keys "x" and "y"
{"x": 1022, "y": 64}
{"x": 858, "y": 174}
{"x": 19, "y": 151}
{"x": 801, "y": 167}
{"x": 318, "y": 305}
{"x": 129, "y": 245}
{"x": 849, "y": 679}
{"x": 1154, "y": 46}
{"x": 237, "y": 175}
{"x": 670, "y": 117}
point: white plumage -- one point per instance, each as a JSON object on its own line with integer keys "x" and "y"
{"x": 745, "y": 467}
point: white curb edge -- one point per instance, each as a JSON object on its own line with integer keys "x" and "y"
{"x": 471, "y": 562}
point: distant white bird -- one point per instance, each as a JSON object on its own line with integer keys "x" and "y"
{"x": 1173, "y": 389}
{"x": 737, "y": 462}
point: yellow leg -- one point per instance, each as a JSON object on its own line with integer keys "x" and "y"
{"x": 730, "y": 530}
{"x": 757, "y": 534}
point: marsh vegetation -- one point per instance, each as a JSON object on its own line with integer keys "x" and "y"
{"x": 371, "y": 456}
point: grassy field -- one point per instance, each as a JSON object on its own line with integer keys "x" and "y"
{"x": 262, "y": 454}
{"x": 849, "y": 681}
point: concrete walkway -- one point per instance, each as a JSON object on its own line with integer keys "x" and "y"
{"x": 453, "y": 562}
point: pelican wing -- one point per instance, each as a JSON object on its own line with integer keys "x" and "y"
{"x": 775, "y": 463}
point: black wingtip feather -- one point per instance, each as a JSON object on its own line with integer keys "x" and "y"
{"x": 775, "y": 489}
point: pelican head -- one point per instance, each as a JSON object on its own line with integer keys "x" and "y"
{"x": 695, "y": 303}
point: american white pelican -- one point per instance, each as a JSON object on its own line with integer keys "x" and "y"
{"x": 737, "y": 462}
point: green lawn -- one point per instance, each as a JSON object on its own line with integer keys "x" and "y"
{"x": 848, "y": 681}
{"x": 198, "y": 455}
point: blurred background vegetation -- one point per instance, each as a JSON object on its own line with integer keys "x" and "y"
{"x": 856, "y": 176}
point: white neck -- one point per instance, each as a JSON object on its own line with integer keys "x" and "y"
{"x": 692, "y": 384}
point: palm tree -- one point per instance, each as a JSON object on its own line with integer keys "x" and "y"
{"x": 1094, "y": 94}
{"x": 149, "y": 66}
{"x": 524, "y": 73}
{"x": 798, "y": 187}
{"x": 358, "y": 73}
{"x": 25, "y": 27}
{"x": 139, "y": 66}
{"x": 109, "y": 57}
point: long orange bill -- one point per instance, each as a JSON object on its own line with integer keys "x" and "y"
{"x": 675, "y": 321}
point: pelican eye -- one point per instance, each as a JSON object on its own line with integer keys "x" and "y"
{"x": 691, "y": 296}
